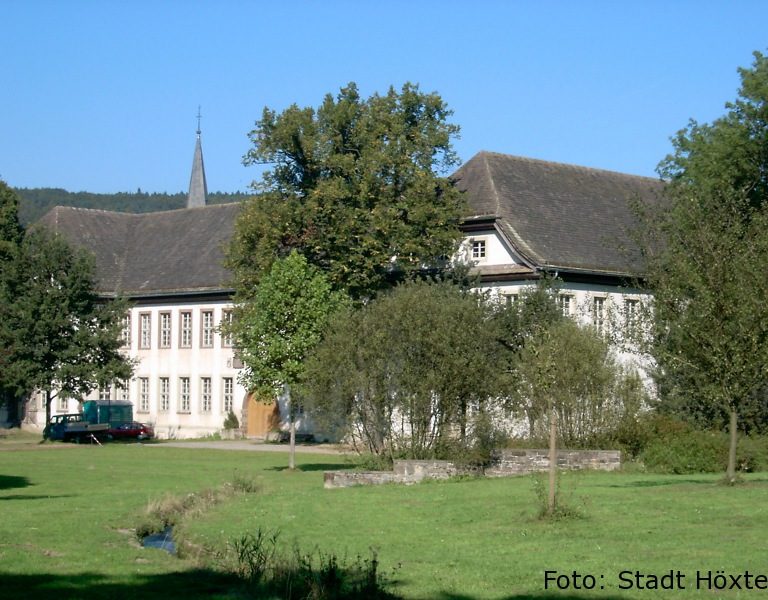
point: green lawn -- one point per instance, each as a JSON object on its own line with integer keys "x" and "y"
{"x": 67, "y": 511}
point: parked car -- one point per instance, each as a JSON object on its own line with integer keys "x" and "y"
{"x": 132, "y": 430}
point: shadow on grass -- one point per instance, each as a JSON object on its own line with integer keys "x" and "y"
{"x": 199, "y": 584}
{"x": 24, "y": 497}
{"x": 314, "y": 467}
{"x": 8, "y": 482}
{"x": 659, "y": 483}
{"x": 190, "y": 585}
{"x": 541, "y": 596}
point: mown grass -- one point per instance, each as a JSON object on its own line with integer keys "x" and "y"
{"x": 67, "y": 513}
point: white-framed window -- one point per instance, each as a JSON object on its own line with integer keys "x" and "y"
{"x": 144, "y": 394}
{"x": 105, "y": 392}
{"x": 226, "y": 320}
{"x": 125, "y": 330}
{"x": 145, "y": 330}
{"x": 185, "y": 335}
{"x": 510, "y": 298}
{"x": 598, "y": 313}
{"x": 123, "y": 390}
{"x": 165, "y": 330}
{"x": 206, "y": 329}
{"x": 205, "y": 394}
{"x": 565, "y": 301}
{"x": 165, "y": 394}
{"x": 631, "y": 314}
{"x": 228, "y": 394}
{"x": 61, "y": 403}
{"x": 478, "y": 249}
{"x": 184, "y": 395}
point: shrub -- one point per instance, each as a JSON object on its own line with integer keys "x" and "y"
{"x": 231, "y": 421}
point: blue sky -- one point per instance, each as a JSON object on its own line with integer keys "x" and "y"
{"x": 101, "y": 96}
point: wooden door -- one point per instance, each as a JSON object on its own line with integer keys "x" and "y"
{"x": 263, "y": 416}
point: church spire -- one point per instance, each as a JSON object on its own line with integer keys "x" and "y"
{"x": 198, "y": 190}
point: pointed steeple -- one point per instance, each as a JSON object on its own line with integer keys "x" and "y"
{"x": 198, "y": 190}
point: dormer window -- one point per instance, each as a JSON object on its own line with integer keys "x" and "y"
{"x": 478, "y": 249}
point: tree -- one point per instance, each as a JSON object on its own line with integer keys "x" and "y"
{"x": 60, "y": 337}
{"x": 276, "y": 325}
{"x": 353, "y": 186}
{"x": 407, "y": 373}
{"x": 11, "y": 235}
{"x": 707, "y": 251}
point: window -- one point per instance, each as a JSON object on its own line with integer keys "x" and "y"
{"x": 124, "y": 390}
{"x": 510, "y": 299}
{"x": 165, "y": 394}
{"x": 185, "y": 340}
{"x": 205, "y": 394}
{"x": 143, "y": 394}
{"x": 598, "y": 313}
{"x": 165, "y": 330}
{"x": 565, "y": 300}
{"x": 105, "y": 392}
{"x": 184, "y": 394}
{"x": 478, "y": 249}
{"x": 125, "y": 330}
{"x": 226, "y": 337}
{"x": 228, "y": 395}
{"x": 145, "y": 330}
{"x": 61, "y": 404}
{"x": 631, "y": 314}
{"x": 206, "y": 321}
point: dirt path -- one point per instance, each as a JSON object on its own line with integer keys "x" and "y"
{"x": 254, "y": 447}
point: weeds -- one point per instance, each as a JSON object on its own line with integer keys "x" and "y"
{"x": 268, "y": 571}
{"x": 567, "y": 505}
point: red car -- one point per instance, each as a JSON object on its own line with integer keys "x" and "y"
{"x": 126, "y": 431}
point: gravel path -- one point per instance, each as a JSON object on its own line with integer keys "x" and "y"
{"x": 254, "y": 446}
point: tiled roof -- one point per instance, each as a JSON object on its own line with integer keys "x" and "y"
{"x": 559, "y": 216}
{"x": 152, "y": 253}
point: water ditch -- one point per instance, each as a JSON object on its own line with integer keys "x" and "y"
{"x": 161, "y": 541}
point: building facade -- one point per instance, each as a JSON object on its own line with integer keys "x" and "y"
{"x": 527, "y": 218}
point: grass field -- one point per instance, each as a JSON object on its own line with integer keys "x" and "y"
{"x": 67, "y": 514}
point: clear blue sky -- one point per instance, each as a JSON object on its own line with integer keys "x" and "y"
{"x": 101, "y": 96}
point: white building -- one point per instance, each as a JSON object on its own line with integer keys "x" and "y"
{"x": 528, "y": 217}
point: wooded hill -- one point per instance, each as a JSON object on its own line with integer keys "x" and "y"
{"x": 35, "y": 202}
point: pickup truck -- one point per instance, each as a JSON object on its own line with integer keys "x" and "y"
{"x": 74, "y": 427}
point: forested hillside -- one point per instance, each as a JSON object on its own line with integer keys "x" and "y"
{"x": 35, "y": 202}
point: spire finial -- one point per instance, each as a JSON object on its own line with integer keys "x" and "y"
{"x": 198, "y": 119}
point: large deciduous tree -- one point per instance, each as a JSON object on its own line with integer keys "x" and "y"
{"x": 59, "y": 336}
{"x": 356, "y": 186}
{"x": 11, "y": 236}
{"x": 707, "y": 263}
{"x": 277, "y": 323}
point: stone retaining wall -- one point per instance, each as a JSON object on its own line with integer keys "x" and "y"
{"x": 507, "y": 462}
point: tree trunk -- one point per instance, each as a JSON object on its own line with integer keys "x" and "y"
{"x": 552, "y": 500}
{"x": 292, "y": 417}
{"x": 48, "y": 400}
{"x": 731, "y": 472}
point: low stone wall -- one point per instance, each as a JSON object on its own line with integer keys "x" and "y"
{"x": 521, "y": 461}
{"x": 508, "y": 462}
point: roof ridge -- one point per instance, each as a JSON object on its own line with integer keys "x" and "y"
{"x": 568, "y": 165}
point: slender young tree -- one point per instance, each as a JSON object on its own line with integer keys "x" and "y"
{"x": 276, "y": 325}
{"x": 356, "y": 186}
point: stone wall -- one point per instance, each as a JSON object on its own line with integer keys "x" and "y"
{"x": 507, "y": 462}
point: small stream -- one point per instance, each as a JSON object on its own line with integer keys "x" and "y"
{"x": 162, "y": 541}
